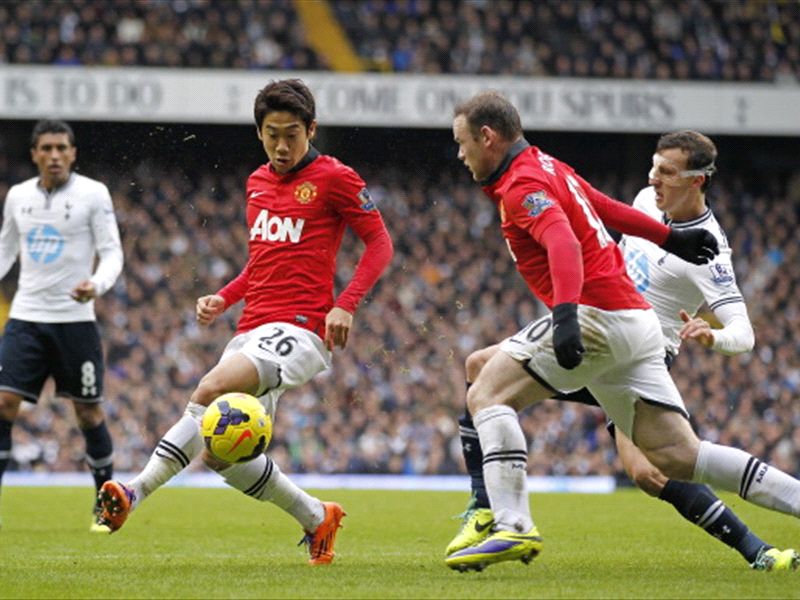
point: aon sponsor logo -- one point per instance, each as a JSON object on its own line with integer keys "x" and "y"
{"x": 276, "y": 229}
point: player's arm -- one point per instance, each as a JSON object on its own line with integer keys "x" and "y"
{"x": 209, "y": 307}
{"x": 697, "y": 246}
{"x": 351, "y": 199}
{"x": 105, "y": 233}
{"x": 9, "y": 239}
{"x": 718, "y": 285}
{"x": 547, "y": 224}
{"x": 735, "y": 337}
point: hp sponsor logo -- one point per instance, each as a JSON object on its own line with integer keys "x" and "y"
{"x": 45, "y": 244}
{"x": 638, "y": 269}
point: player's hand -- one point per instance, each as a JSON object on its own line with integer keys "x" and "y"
{"x": 83, "y": 292}
{"x": 567, "y": 335}
{"x": 337, "y": 327}
{"x": 696, "y": 329}
{"x": 209, "y": 308}
{"x": 697, "y": 246}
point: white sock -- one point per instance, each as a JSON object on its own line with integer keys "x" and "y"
{"x": 172, "y": 455}
{"x": 737, "y": 471}
{"x": 505, "y": 460}
{"x": 262, "y": 479}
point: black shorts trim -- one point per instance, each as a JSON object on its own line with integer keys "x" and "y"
{"x": 27, "y": 396}
{"x": 538, "y": 378}
{"x": 581, "y": 396}
{"x": 671, "y": 407}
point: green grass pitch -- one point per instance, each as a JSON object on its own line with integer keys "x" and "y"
{"x": 216, "y": 543}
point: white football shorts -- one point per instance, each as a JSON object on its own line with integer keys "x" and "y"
{"x": 298, "y": 353}
{"x": 623, "y": 361}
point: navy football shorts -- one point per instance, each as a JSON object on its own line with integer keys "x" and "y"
{"x": 70, "y": 352}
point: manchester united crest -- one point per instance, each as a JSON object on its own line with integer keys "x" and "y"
{"x": 305, "y": 192}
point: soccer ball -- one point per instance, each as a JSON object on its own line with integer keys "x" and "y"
{"x": 236, "y": 428}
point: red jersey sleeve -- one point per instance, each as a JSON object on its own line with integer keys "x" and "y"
{"x": 351, "y": 199}
{"x": 235, "y": 289}
{"x": 624, "y": 218}
{"x": 542, "y": 217}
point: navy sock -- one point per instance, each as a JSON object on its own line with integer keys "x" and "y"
{"x": 5, "y": 445}
{"x": 99, "y": 453}
{"x": 473, "y": 457}
{"x": 699, "y": 505}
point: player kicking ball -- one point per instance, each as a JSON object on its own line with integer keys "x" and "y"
{"x": 298, "y": 205}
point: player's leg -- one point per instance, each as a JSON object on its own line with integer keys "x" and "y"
{"x": 502, "y": 388}
{"x": 695, "y": 502}
{"x": 639, "y": 395}
{"x": 302, "y": 356}
{"x": 99, "y": 452}
{"x": 262, "y": 479}
{"x": 669, "y": 443}
{"x": 9, "y": 408}
{"x": 523, "y": 372}
{"x": 477, "y": 519}
{"x": 25, "y": 367}
{"x": 182, "y": 443}
{"x": 78, "y": 370}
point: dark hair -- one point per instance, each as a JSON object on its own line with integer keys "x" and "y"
{"x": 702, "y": 153}
{"x": 290, "y": 95}
{"x": 492, "y": 110}
{"x": 51, "y": 126}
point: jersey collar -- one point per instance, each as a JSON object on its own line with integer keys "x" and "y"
{"x": 64, "y": 185}
{"x": 514, "y": 151}
{"x": 312, "y": 155}
{"x": 702, "y": 218}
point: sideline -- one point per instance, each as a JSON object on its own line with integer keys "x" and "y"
{"x": 583, "y": 485}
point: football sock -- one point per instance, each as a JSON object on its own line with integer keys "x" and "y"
{"x": 737, "y": 471}
{"x": 473, "y": 459}
{"x": 505, "y": 461}
{"x": 173, "y": 453}
{"x": 5, "y": 445}
{"x": 699, "y": 505}
{"x": 262, "y": 479}
{"x": 99, "y": 453}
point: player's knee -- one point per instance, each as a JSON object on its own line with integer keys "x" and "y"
{"x": 648, "y": 479}
{"x": 673, "y": 461}
{"x": 476, "y": 400}
{"x": 214, "y": 463}
{"x": 9, "y": 405}
{"x": 474, "y": 363}
{"x": 89, "y": 416}
{"x": 210, "y": 387}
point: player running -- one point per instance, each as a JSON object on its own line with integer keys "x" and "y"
{"x": 298, "y": 205}
{"x": 683, "y": 166}
{"x": 553, "y": 222}
{"x": 58, "y": 223}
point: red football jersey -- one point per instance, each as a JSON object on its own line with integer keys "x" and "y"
{"x": 535, "y": 191}
{"x": 296, "y": 222}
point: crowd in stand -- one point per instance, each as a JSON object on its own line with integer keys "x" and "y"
{"x": 245, "y": 34}
{"x": 741, "y": 40}
{"x": 721, "y": 40}
{"x": 391, "y": 401}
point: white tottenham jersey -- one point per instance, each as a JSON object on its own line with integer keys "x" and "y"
{"x": 57, "y": 235}
{"x": 670, "y": 283}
